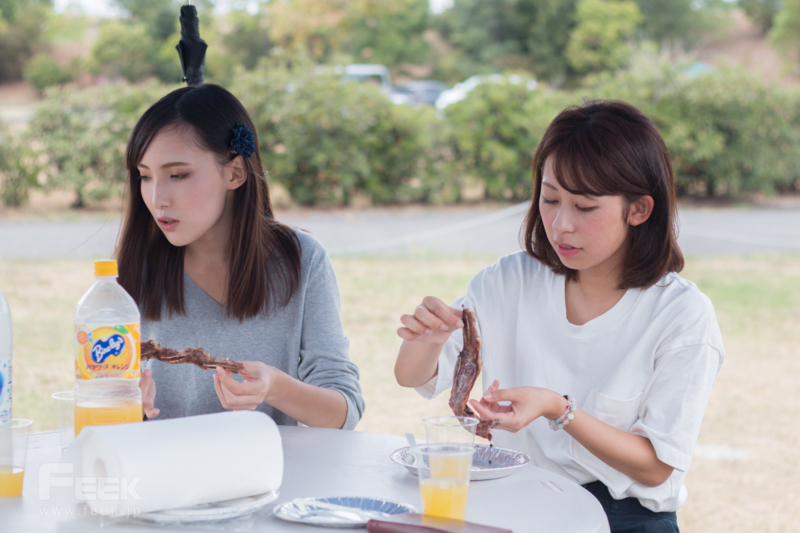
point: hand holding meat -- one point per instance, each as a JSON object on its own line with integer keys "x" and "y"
{"x": 526, "y": 405}
{"x": 249, "y": 394}
{"x": 148, "y": 387}
{"x": 433, "y": 321}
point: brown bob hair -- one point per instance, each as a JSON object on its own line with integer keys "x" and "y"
{"x": 602, "y": 148}
{"x": 265, "y": 255}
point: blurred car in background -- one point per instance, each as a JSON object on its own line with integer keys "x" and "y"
{"x": 365, "y": 73}
{"x": 420, "y": 92}
{"x": 461, "y": 90}
{"x": 377, "y": 75}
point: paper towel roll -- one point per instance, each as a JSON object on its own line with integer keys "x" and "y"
{"x": 165, "y": 464}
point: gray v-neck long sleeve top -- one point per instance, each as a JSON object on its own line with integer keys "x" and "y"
{"x": 305, "y": 339}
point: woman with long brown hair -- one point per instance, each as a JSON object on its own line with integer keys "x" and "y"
{"x": 209, "y": 266}
{"x": 606, "y": 354}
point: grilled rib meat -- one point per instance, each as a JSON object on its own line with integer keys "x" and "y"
{"x": 468, "y": 367}
{"x": 196, "y": 356}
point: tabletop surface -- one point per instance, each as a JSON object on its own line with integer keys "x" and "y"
{"x": 326, "y": 463}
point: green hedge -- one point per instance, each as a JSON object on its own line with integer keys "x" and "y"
{"x": 44, "y": 71}
{"x": 334, "y": 143}
{"x": 329, "y": 142}
{"x": 82, "y": 134}
{"x": 728, "y": 132}
{"x": 495, "y": 130}
{"x": 19, "y": 167}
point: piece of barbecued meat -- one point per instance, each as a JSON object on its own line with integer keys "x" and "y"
{"x": 196, "y": 356}
{"x": 468, "y": 367}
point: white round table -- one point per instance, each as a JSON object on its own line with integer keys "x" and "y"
{"x": 325, "y": 463}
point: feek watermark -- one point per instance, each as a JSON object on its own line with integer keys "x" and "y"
{"x": 106, "y": 489}
{"x": 86, "y": 510}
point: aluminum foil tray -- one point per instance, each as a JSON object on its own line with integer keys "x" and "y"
{"x": 488, "y": 462}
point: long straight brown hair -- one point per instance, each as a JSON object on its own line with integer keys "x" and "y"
{"x": 608, "y": 147}
{"x": 265, "y": 255}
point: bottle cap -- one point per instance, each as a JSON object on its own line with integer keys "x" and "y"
{"x": 105, "y": 268}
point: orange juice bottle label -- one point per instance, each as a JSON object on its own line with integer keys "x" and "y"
{"x": 107, "y": 351}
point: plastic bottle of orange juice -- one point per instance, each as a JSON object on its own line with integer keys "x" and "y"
{"x": 107, "y": 353}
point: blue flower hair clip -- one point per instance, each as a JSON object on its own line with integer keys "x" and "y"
{"x": 244, "y": 141}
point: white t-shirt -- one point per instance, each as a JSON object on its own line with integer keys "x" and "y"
{"x": 646, "y": 366}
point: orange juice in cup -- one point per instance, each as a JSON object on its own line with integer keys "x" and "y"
{"x": 444, "y": 464}
{"x": 13, "y": 450}
{"x": 444, "y": 479}
{"x": 11, "y": 480}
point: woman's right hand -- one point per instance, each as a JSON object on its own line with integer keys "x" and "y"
{"x": 433, "y": 321}
{"x": 148, "y": 387}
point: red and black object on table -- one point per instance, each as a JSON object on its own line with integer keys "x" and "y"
{"x": 419, "y": 523}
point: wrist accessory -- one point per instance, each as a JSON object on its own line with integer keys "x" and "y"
{"x": 244, "y": 141}
{"x": 562, "y": 421}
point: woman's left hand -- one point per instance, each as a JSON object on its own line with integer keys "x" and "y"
{"x": 526, "y": 405}
{"x": 248, "y": 395}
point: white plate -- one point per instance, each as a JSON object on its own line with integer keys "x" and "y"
{"x": 488, "y": 462}
{"x": 290, "y": 512}
{"x": 211, "y": 511}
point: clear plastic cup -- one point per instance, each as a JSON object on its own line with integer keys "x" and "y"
{"x": 444, "y": 465}
{"x": 450, "y": 429}
{"x": 444, "y": 471}
{"x": 13, "y": 450}
{"x": 65, "y": 414}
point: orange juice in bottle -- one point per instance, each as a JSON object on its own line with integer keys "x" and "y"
{"x": 102, "y": 413}
{"x": 107, "y": 353}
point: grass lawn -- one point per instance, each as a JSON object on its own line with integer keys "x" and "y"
{"x": 754, "y": 405}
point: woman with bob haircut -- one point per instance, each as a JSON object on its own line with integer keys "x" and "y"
{"x": 209, "y": 266}
{"x": 605, "y": 354}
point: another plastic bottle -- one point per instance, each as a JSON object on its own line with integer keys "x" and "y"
{"x": 10, "y": 477}
{"x": 6, "y": 346}
{"x": 107, "y": 353}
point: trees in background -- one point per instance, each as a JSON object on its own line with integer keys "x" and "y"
{"x": 388, "y": 32}
{"x": 558, "y": 41}
{"x": 678, "y": 23}
{"x": 486, "y": 37}
{"x": 142, "y": 44}
{"x": 124, "y": 50}
{"x": 334, "y": 143}
{"x": 761, "y": 12}
{"x": 329, "y": 142}
{"x": 562, "y": 39}
{"x": 601, "y": 38}
{"x": 248, "y": 39}
{"x": 785, "y": 32}
{"x": 21, "y": 26}
{"x": 19, "y": 167}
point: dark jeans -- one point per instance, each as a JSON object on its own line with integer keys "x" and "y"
{"x": 628, "y": 515}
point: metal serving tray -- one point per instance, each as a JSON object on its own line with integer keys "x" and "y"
{"x": 488, "y": 462}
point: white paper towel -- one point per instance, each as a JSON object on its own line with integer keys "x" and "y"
{"x": 165, "y": 464}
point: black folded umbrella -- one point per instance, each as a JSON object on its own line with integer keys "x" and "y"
{"x": 191, "y": 48}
